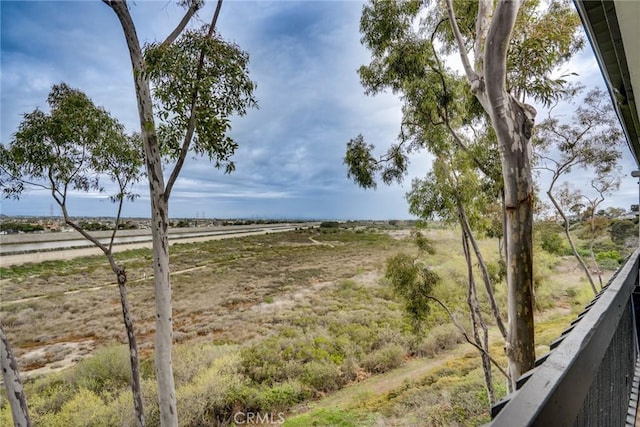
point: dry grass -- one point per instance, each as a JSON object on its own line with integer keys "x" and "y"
{"x": 318, "y": 296}
{"x": 219, "y": 291}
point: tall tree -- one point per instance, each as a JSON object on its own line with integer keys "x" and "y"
{"x": 11, "y": 377}
{"x": 506, "y": 57}
{"x": 603, "y": 185}
{"x": 592, "y": 139}
{"x": 71, "y": 148}
{"x": 199, "y": 82}
{"x": 453, "y": 192}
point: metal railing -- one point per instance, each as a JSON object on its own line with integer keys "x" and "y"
{"x": 590, "y": 376}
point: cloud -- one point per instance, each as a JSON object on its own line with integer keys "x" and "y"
{"x": 304, "y": 57}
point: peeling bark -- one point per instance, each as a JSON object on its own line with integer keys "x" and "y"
{"x": 11, "y": 378}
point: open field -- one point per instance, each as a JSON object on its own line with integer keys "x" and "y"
{"x": 224, "y": 291}
{"x": 76, "y": 246}
{"x": 301, "y": 322}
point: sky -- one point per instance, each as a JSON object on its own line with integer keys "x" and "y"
{"x": 304, "y": 57}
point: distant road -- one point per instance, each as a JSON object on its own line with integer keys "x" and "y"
{"x": 16, "y": 249}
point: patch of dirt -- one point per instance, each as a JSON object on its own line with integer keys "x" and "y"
{"x": 54, "y": 357}
{"x": 400, "y": 234}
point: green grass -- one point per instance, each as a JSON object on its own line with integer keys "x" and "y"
{"x": 327, "y": 417}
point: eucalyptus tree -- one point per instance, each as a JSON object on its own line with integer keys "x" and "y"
{"x": 73, "y": 148}
{"x": 604, "y": 185}
{"x": 509, "y": 50}
{"x": 591, "y": 139}
{"x": 11, "y": 377}
{"x": 187, "y": 87}
{"x": 455, "y": 193}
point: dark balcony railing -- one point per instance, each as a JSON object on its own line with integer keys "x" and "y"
{"x": 590, "y": 376}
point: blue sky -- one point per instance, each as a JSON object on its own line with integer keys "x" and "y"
{"x": 304, "y": 57}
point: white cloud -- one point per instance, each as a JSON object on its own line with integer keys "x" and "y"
{"x": 304, "y": 57}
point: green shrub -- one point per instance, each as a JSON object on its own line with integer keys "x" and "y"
{"x": 329, "y": 224}
{"x": 5, "y": 414}
{"x": 213, "y": 395}
{"x": 552, "y": 242}
{"x": 282, "y": 396}
{"x": 439, "y": 339}
{"x": 108, "y": 370}
{"x": 120, "y": 411}
{"x": 49, "y": 393}
{"x": 384, "y": 359}
{"x": 614, "y": 255}
{"x": 281, "y": 358}
{"x": 621, "y": 230}
{"x": 191, "y": 360}
{"x": 321, "y": 376}
{"x": 272, "y": 360}
{"x": 86, "y": 409}
{"x": 610, "y": 264}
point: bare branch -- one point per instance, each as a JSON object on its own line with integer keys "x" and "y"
{"x": 193, "y": 8}
{"x": 485, "y": 276}
{"x": 466, "y": 336}
{"x": 471, "y": 74}
{"x": 117, "y": 220}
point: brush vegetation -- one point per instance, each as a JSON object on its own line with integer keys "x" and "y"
{"x": 272, "y": 324}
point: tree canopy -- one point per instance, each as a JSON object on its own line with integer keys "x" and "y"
{"x": 74, "y": 146}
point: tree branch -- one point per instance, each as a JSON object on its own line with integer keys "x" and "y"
{"x": 483, "y": 268}
{"x": 495, "y": 59}
{"x": 471, "y": 74}
{"x": 466, "y": 336}
{"x": 485, "y": 9}
{"x": 192, "y": 117}
{"x": 117, "y": 220}
{"x": 193, "y": 8}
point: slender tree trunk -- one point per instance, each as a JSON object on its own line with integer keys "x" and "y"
{"x": 565, "y": 222}
{"x": 11, "y": 377}
{"x": 477, "y": 321}
{"x": 513, "y": 122}
{"x": 136, "y": 388}
{"x": 595, "y": 262}
{"x": 164, "y": 319}
{"x": 483, "y": 268}
{"x": 159, "y": 222}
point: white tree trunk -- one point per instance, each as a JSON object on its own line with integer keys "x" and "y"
{"x": 11, "y": 377}
{"x": 159, "y": 222}
{"x": 513, "y": 123}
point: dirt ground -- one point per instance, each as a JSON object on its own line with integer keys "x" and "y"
{"x": 223, "y": 291}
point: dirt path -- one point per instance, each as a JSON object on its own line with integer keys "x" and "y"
{"x": 383, "y": 383}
